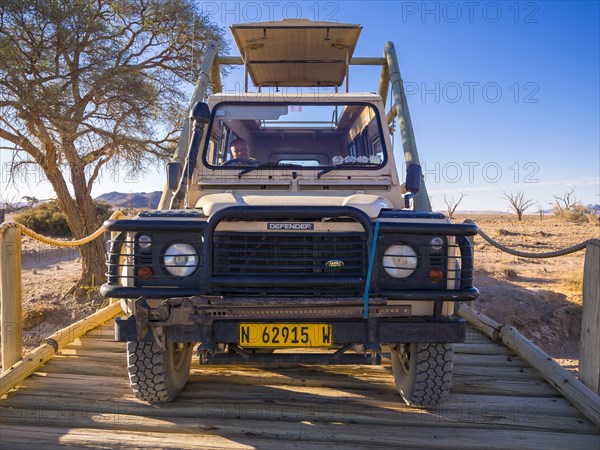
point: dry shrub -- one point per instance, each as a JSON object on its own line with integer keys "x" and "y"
{"x": 35, "y": 316}
{"x": 576, "y": 214}
{"x": 507, "y": 273}
{"x": 47, "y": 218}
{"x": 574, "y": 282}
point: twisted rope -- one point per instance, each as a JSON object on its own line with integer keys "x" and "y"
{"x": 56, "y": 242}
{"x": 552, "y": 254}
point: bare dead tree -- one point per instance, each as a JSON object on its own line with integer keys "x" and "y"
{"x": 86, "y": 86}
{"x": 9, "y": 204}
{"x": 541, "y": 211}
{"x": 452, "y": 204}
{"x": 566, "y": 202}
{"x": 518, "y": 203}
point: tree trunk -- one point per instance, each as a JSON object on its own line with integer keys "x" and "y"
{"x": 82, "y": 220}
{"x": 93, "y": 257}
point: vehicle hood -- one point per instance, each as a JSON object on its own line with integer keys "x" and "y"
{"x": 368, "y": 203}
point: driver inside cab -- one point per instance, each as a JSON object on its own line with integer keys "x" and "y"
{"x": 239, "y": 149}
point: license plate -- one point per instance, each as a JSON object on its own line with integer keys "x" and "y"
{"x": 285, "y": 335}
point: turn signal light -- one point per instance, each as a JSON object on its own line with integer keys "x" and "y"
{"x": 145, "y": 273}
{"x": 436, "y": 275}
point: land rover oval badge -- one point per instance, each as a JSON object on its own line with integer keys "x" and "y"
{"x": 334, "y": 264}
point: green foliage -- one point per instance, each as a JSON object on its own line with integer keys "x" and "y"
{"x": 48, "y": 220}
{"x": 91, "y": 289}
{"x": 90, "y": 85}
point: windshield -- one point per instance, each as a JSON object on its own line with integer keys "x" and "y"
{"x": 308, "y": 136}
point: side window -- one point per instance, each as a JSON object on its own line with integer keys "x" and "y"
{"x": 366, "y": 144}
{"x": 218, "y": 150}
{"x": 361, "y": 145}
{"x": 212, "y": 147}
{"x": 378, "y": 148}
{"x": 352, "y": 149}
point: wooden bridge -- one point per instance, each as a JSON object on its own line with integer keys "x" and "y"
{"x": 73, "y": 391}
{"x": 82, "y": 398}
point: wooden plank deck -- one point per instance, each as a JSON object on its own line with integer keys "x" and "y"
{"x": 82, "y": 399}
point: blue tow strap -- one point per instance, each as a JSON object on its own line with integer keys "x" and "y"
{"x": 370, "y": 271}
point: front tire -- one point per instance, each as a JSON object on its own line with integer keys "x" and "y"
{"x": 158, "y": 376}
{"x": 423, "y": 372}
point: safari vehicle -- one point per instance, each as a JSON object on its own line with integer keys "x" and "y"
{"x": 311, "y": 241}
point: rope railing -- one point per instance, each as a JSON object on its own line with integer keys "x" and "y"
{"x": 552, "y": 254}
{"x": 14, "y": 364}
{"x": 56, "y": 242}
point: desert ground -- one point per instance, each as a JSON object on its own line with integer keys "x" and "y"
{"x": 541, "y": 297}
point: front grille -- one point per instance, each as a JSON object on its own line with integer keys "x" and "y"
{"x": 268, "y": 254}
{"x": 298, "y": 257}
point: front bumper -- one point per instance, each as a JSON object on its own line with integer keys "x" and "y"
{"x": 211, "y": 320}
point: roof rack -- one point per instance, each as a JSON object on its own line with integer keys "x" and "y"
{"x": 296, "y": 53}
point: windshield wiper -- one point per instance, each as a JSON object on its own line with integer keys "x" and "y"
{"x": 267, "y": 166}
{"x": 340, "y": 166}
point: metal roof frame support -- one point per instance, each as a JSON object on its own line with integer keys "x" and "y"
{"x": 209, "y": 74}
{"x": 409, "y": 144}
{"x": 347, "y": 70}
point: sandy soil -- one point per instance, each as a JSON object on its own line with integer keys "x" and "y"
{"x": 541, "y": 297}
{"x": 49, "y": 302}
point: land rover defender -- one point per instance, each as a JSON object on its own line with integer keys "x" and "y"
{"x": 311, "y": 240}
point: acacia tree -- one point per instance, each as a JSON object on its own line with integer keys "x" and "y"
{"x": 90, "y": 85}
{"x": 518, "y": 203}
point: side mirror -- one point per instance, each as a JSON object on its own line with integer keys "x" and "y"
{"x": 173, "y": 174}
{"x": 413, "y": 178}
{"x": 200, "y": 113}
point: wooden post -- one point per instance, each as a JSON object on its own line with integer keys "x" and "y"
{"x": 589, "y": 355}
{"x": 10, "y": 297}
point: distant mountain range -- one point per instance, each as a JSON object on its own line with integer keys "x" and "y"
{"x": 594, "y": 208}
{"x": 140, "y": 200}
{"x": 132, "y": 199}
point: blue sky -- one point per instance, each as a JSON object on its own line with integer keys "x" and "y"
{"x": 504, "y": 96}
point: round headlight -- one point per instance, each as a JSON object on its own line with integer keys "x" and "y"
{"x": 400, "y": 261}
{"x": 436, "y": 243}
{"x": 144, "y": 241}
{"x": 181, "y": 260}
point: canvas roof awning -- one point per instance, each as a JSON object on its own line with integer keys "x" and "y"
{"x": 296, "y": 52}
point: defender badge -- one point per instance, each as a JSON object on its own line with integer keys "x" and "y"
{"x": 294, "y": 226}
{"x": 334, "y": 264}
